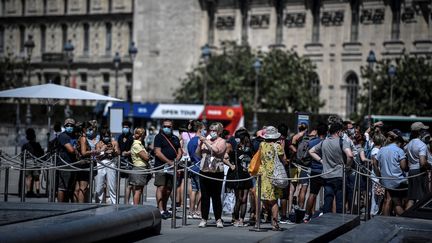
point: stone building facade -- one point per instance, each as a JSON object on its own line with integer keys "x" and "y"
{"x": 336, "y": 35}
{"x": 96, "y": 28}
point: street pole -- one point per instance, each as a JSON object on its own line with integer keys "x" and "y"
{"x": 29, "y": 45}
{"x": 391, "y": 73}
{"x": 257, "y": 67}
{"x": 206, "y": 54}
{"x": 371, "y": 61}
{"x": 117, "y": 61}
{"x": 132, "y": 54}
{"x": 68, "y": 48}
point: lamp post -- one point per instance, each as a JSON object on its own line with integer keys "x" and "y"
{"x": 257, "y": 66}
{"x": 132, "y": 54}
{"x": 391, "y": 73}
{"x": 205, "y": 54}
{"x": 68, "y": 49}
{"x": 29, "y": 45}
{"x": 116, "y": 61}
{"x": 371, "y": 59}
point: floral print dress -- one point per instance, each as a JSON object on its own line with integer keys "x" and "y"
{"x": 268, "y": 153}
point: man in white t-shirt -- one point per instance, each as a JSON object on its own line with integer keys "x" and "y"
{"x": 416, "y": 152}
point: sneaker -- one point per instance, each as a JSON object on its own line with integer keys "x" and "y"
{"x": 203, "y": 223}
{"x": 219, "y": 223}
{"x": 317, "y": 214}
{"x": 306, "y": 218}
{"x": 283, "y": 220}
{"x": 196, "y": 215}
{"x": 166, "y": 215}
{"x": 190, "y": 215}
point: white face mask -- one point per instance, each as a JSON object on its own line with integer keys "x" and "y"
{"x": 213, "y": 135}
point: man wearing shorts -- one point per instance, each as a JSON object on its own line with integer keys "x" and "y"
{"x": 167, "y": 150}
{"x": 68, "y": 155}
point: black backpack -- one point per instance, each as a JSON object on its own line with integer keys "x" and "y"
{"x": 302, "y": 156}
{"x": 53, "y": 146}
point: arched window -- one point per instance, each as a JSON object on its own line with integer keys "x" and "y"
{"x": 352, "y": 87}
{"x": 315, "y": 90}
{"x": 355, "y": 18}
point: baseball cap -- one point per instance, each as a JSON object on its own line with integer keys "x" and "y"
{"x": 417, "y": 126}
{"x": 69, "y": 121}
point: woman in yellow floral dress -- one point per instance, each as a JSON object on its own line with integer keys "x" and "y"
{"x": 269, "y": 193}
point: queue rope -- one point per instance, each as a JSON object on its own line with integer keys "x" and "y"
{"x": 307, "y": 177}
{"x": 217, "y": 179}
{"x": 386, "y": 178}
{"x": 140, "y": 172}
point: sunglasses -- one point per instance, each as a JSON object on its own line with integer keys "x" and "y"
{"x": 69, "y": 125}
{"x": 166, "y": 126}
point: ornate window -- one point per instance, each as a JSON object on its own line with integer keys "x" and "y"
{"x": 108, "y": 38}
{"x": 22, "y": 38}
{"x": 86, "y": 39}
{"x": 43, "y": 38}
{"x": 315, "y": 90}
{"x": 64, "y": 34}
{"x": 355, "y": 19}
{"x": 396, "y": 19}
{"x": 352, "y": 87}
{"x": 316, "y": 6}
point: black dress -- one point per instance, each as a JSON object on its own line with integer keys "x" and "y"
{"x": 241, "y": 160}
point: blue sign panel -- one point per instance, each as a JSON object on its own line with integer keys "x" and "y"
{"x": 144, "y": 110}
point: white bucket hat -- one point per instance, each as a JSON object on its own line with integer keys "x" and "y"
{"x": 271, "y": 133}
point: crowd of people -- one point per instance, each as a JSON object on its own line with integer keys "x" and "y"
{"x": 313, "y": 158}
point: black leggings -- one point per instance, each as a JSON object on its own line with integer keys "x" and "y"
{"x": 211, "y": 188}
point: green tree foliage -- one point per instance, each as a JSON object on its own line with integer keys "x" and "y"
{"x": 11, "y": 72}
{"x": 284, "y": 80}
{"x": 412, "y": 87}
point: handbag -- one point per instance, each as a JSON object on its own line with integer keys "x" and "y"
{"x": 279, "y": 174}
{"x": 209, "y": 163}
{"x": 229, "y": 202}
{"x": 255, "y": 163}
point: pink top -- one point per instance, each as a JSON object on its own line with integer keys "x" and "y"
{"x": 218, "y": 146}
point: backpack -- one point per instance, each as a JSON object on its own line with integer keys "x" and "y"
{"x": 302, "y": 156}
{"x": 53, "y": 146}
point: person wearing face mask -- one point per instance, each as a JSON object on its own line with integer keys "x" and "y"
{"x": 86, "y": 151}
{"x": 167, "y": 149}
{"x": 68, "y": 155}
{"x": 331, "y": 152}
{"x": 214, "y": 147}
{"x": 240, "y": 157}
{"x": 140, "y": 159}
{"x": 194, "y": 190}
{"x": 108, "y": 150}
{"x": 125, "y": 141}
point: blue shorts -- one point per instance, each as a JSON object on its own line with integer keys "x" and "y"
{"x": 195, "y": 182}
{"x": 304, "y": 174}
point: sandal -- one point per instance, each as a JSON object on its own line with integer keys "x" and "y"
{"x": 276, "y": 227}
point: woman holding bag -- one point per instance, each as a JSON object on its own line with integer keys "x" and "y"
{"x": 212, "y": 151}
{"x": 270, "y": 152}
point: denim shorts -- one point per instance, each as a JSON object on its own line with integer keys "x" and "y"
{"x": 195, "y": 182}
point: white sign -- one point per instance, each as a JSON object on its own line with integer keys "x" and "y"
{"x": 172, "y": 111}
{"x": 116, "y": 119}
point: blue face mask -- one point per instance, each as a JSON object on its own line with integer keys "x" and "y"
{"x": 106, "y": 139}
{"x": 125, "y": 130}
{"x": 69, "y": 129}
{"x": 89, "y": 133}
{"x": 166, "y": 130}
{"x": 203, "y": 132}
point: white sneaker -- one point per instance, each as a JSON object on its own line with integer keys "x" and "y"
{"x": 203, "y": 223}
{"x": 219, "y": 223}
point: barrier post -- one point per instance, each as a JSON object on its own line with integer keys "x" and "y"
{"x": 91, "y": 182}
{"x": 257, "y": 227}
{"x": 343, "y": 188}
{"x": 185, "y": 191}
{"x": 54, "y": 180}
{"x": 118, "y": 181}
{"x": 174, "y": 194}
{"x": 355, "y": 192}
{"x": 23, "y": 177}
{"x": 367, "y": 195}
{"x": 6, "y": 188}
